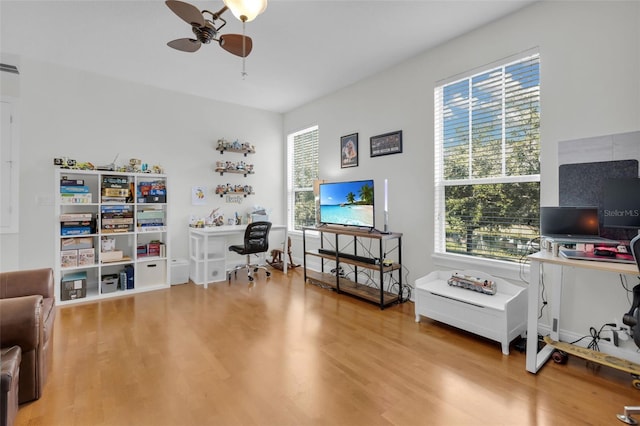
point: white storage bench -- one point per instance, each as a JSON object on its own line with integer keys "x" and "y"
{"x": 500, "y": 317}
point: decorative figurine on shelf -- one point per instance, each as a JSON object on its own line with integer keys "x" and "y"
{"x": 214, "y": 219}
{"x": 134, "y": 165}
{"x": 86, "y": 165}
{"x": 236, "y": 145}
{"x": 65, "y": 163}
{"x": 247, "y": 147}
{"x": 222, "y": 144}
{"x": 220, "y": 166}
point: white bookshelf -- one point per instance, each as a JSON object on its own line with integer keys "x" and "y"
{"x": 144, "y": 224}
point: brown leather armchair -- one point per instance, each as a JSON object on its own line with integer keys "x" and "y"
{"x": 27, "y": 313}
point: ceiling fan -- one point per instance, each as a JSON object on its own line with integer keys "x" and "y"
{"x": 207, "y": 30}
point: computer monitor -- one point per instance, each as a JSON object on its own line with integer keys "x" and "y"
{"x": 621, "y": 203}
{"x": 569, "y": 221}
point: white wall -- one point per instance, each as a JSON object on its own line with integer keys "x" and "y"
{"x": 92, "y": 118}
{"x": 590, "y": 63}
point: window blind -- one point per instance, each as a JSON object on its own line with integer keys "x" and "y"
{"x": 487, "y": 168}
{"x": 302, "y": 156}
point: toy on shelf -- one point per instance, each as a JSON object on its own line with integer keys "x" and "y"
{"x": 135, "y": 166}
{"x": 235, "y": 146}
{"x": 472, "y": 283}
{"x": 234, "y": 189}
{"x": 230, "y": 167}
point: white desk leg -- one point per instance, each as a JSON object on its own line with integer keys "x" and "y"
{"x": 205, "y": 267}
{"x": 535, "y": 359}
{"x": 556, "y": 294}
{"x": 532, "y": 316}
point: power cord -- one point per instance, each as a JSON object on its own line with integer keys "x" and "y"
{"x": 542, "y": 294}
{"x": 595, "y": 337}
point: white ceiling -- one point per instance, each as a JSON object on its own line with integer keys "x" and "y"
{"x": 302, "y": 49}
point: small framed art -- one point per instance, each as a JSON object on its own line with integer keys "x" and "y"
{"x": 349, "y": 150}
{"x": 388, "y": 143}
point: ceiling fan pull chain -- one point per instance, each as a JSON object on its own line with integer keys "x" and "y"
{"x": 244, "y": 50}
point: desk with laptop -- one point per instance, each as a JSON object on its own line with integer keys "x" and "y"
{"x": 577, "y": 227}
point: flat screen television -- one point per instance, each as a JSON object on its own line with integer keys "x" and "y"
{"x": 347, "y": 203}
{"x": 621, "y": 203}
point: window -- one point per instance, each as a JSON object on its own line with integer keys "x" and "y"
{"x": 487, "y": 162}
{"x": 302, "y": 155}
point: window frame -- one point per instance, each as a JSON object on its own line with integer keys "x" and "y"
{"x": 440, "y": 182}
{"x": 292, "y": 190}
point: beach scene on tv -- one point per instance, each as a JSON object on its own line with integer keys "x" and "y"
{"x": 347, "y": 203}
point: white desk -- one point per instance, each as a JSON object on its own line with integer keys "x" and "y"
{"x": 199, "y": 246}
{"x": 535, "y": 359}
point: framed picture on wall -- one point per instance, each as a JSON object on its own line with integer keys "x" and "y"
{"x": 349, "y": 150}
{"x": 388, "y": 143}
{"x": 198, "y": 195}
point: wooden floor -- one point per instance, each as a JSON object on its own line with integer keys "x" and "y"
{"x": 279, "y": 352}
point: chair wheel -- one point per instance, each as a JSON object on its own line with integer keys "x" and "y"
{"x": 250, "y": 278}
{"x": 268, "y": 273}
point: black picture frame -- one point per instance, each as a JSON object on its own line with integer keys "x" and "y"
{"x": 349, "y": 150}
{"x": 386, "y": 144}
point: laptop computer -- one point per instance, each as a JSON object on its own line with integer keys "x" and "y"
{"x": 571, "y": 225}
{"x": 588, "y": 255}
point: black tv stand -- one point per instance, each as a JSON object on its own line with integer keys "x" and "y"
{"x": 382, "y": 267}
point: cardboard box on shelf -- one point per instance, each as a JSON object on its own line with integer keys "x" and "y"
{"x": 111, "y": 256}
{"x": 69, "y": 258}
{"x": 76, "y": 243}
{"x": 86, "y": 257}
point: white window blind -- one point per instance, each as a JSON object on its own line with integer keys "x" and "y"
{"x": 302, "y": 155}
{"x": 487, "y": 167}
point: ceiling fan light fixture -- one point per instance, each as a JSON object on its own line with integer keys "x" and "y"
{"x": 246, "y": 10}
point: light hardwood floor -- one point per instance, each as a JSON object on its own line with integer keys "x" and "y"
{"x": 281, "y": 352}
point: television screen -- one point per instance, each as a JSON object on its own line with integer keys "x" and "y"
{"x": 347, "y": 203}
{"x": 621, "y": 203}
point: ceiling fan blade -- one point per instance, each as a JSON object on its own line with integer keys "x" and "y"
{"x": 188, "y": 12}
{"x": 232, "y": 43}
{"x": 185, "y": 44}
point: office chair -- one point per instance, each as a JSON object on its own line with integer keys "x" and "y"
{"x": 256, "y": 240}
{"x": 632, "y": 318}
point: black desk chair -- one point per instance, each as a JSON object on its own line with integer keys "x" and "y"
{"x": 256, "y": 240}
{"x": 632, "y": 318}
